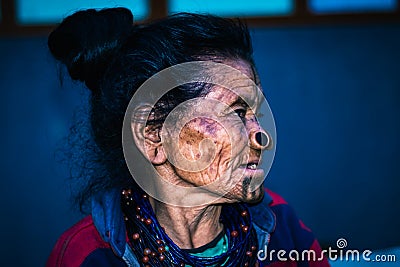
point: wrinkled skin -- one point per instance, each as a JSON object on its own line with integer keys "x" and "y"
{"x": 232, "y": 148}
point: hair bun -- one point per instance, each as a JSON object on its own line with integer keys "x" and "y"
{"x": 86, "y": 40}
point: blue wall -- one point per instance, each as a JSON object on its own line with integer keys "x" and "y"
{"x": 335, "y": 94}
{"x": 35, "y": 115}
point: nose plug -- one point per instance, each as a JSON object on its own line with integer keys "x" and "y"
{"x": 261, "y": 140}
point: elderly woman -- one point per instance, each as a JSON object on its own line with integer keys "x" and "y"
{"x": 178, "y": 146}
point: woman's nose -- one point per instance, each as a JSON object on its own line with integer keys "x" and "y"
{"x": 260, "y": 139}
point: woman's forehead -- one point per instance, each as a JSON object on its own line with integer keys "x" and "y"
{"x": 242, "y": 95}
{"x": 242, "y": 85}
{"x": 242, "y": 66}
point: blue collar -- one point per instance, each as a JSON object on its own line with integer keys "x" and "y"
{"x": 109, "y": 220}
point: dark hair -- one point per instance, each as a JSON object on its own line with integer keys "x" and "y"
{"x": 113, "y": 57}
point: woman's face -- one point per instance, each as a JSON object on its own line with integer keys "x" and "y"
{"x": 231, "y": 147}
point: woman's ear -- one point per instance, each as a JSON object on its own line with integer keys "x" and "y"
{"x": 147, "y": 137}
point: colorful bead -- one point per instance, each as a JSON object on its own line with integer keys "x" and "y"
{"x": 147, "y": 251}
{"x": 244, "y": 213}
{"x": 161, "y": 249}
{"x": 249, "y": 253}
{"x": 234, "y": 233}
{"x": 135, "y": 236}
{"x": 145, "y": 259}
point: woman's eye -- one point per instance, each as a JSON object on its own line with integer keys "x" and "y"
{"x": 241, "y": 112}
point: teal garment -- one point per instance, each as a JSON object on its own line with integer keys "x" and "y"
{"x": 216, "y": 247}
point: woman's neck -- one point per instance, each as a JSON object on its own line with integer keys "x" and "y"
{"x": 189, "y": 227}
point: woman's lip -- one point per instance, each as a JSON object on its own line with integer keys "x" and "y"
{"x": 245, "y": 167}
{"x": 253, "y": 165}
{"x": 250, "y": 166}
{"x": 252, "y": 172}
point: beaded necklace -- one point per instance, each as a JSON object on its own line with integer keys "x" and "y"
{"x": 152, "y": 246}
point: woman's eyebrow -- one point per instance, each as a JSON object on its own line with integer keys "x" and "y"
{"x": 239, "y": 102}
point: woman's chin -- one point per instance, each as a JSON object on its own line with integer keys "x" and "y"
{"x": 244, "y": 196}
{"x": 254, "y": 196}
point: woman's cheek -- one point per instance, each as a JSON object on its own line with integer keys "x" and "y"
{"x": 226, "y": 150}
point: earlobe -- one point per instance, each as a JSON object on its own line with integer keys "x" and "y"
{"x": 156, "y": 153}
{"x": 147, "y": 139}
